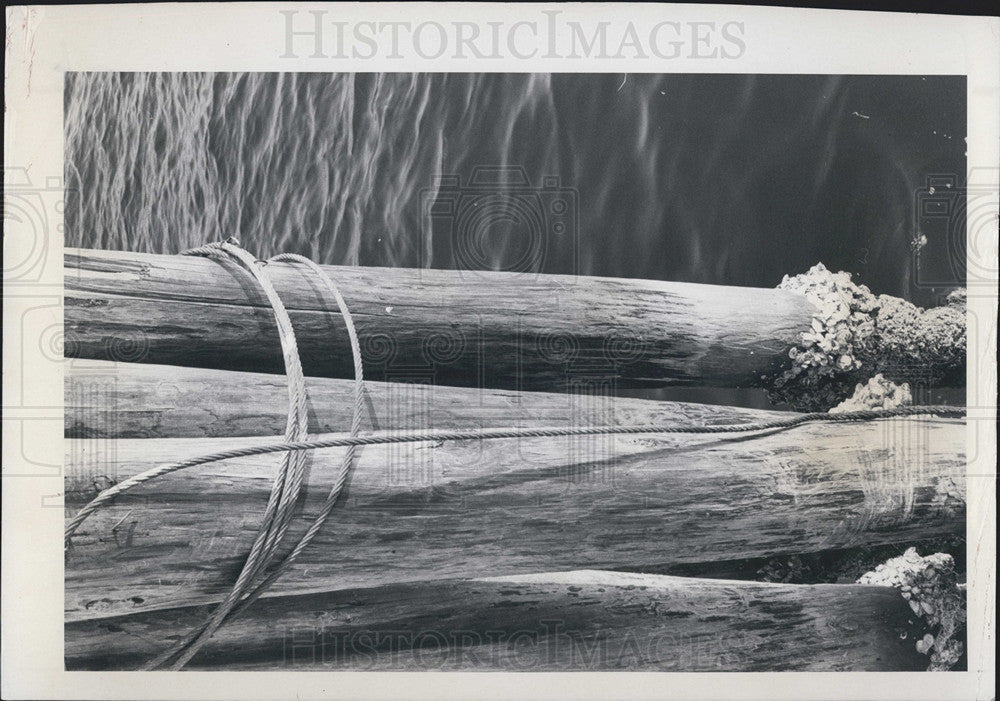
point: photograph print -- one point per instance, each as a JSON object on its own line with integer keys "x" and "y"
{"x": 515, "y": 372}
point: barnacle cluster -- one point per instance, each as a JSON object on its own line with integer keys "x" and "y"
{"x": 855, "y": 335}
{"x": 911, "y": 337}
{"x": 930, "y": 586}
{"x": 829, "y": 349}
{"x": 877, "y": 393}
{"x": 957, "y": 297}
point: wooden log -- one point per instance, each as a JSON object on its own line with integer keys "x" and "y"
{"x": 459, "y": 509}
{"x": 464, "y": 328}
{"x": 135, "y": 400}
{"x": 587, "y": 620}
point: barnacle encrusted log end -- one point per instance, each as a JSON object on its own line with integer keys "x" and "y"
{"x": 930, "y": 586}
{"x": 856, "y": 335}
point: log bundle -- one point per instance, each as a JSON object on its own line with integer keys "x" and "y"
{"x": 176, "y": 357}
{"x": 586, "y": 621}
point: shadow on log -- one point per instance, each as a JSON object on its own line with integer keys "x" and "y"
{"x": 584, "y": 620}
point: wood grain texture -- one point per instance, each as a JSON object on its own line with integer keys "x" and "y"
{"x": 464, "y": 328}
{"x": 473, "y": 508}
{"x": 586, "y": 621}
{"x": 136, "y": 400}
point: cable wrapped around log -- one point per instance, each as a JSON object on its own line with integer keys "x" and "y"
{"x": 462, "y": 328}
{"x": 419, "y": 511}
{"x": 251, "y": 571}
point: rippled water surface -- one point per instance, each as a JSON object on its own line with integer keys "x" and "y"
{"x": 717, "y": 179}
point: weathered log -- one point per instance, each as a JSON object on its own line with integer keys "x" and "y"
{"x": 481, "y": 329}
{"x": 588, "y": 620}
{"x": 460, "y": 509}
{"x": 136, "y": 400}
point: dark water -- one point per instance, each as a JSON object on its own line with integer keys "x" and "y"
{"x": 718, "y": 179}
